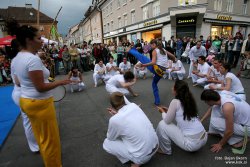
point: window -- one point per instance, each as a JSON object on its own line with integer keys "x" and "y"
{"x": 112, "y": 26}
{"x": 230, "y": 5}
{"x": 119, "y": 22}
{"x": 118, "y": 3}
{"x": 124, "y": 1}
{"x": 218, "y": 5}
{"x": 108, "y": 27}
{"x": 110, "y": 7}
{"x": 125, "y": 20}
{"x": 133, "y": 17}
{"x": 156, "y": 8}
{"x": 145, "y": 12}
{"x": 104, "y": 28}
{"x": 186, "y": 2}
{"x": 244, "y": 7}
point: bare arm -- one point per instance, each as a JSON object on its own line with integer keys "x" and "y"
{"x": 153, "y": 62}
{"x": 207, "y": 114}
{"x": 128, "y": 84}
{"x": 38, "y": 81}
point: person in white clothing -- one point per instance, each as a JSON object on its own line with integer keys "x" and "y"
{"x": 130, "y": 136}
{"x": 189, "y": 134}
{"x": 16, "y": 94}
{"x": 111, "y": 69}
{"x": 199, "y": 75}
{"x": 124, "y": 66}
{"x": 194, "y": 53}
{"x": 76, "y": 79}
{"x": 230, "y": 117}
{"x": 99, "y": 72}
{"x": 169, "y": 67}
{"x": 231, "y": 82}
{"x": 214, "y": 77}
{"x": 122, "y": 83}
{"x": 139, "y": 70}
{"x": 178, "y": 70}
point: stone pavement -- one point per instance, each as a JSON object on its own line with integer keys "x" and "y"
{"x": 83, "y": 122}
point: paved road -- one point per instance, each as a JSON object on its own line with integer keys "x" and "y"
{"x": 83, "y": 123}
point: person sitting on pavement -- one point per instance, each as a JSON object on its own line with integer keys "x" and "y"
{"x": 168, "y": 70}
{"x": 124, "y": 66}
{"x": 130, "y": 135}
{"x": 214, "y": 77}
{"x": 111, "y": 68}
{"x": 99, "y": 72}
{"x": 178, "y": 70}
{"x": 199, "y": 75}
{"x": 231, "y": 82}
{"x": 230, "y": 117}
{"x": 75, "y": 76}
{"x": 140, "y": 71}
{"x": 189, "y": 134}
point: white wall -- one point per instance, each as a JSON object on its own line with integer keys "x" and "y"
{"x": 205, "y": 30}
{"x": 166, "y": 31}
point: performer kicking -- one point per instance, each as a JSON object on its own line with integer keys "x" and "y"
{"x": 157, "y": 66}
{"x": 130, "y": 136}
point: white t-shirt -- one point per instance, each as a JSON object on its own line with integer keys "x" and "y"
{"x": 241, "y": 108}
{"x": 236, "y": 86}
{"x": 100, "y": 69}
{"x": 162, "y": 59}
{"x": 116, "y": 80}
{"x": 131, "y": 126}
{"x": 125, "y": 67}
{"x": 109, "y": 65}
{"x": 175, "y": 112}
{"x": 203, "y": 68}
{"x": 216, "y": 73}
{"x": 178, "y": 65}
{"x": 23, "y": 64}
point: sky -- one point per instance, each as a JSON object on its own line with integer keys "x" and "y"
{"x": 72, "y": 10}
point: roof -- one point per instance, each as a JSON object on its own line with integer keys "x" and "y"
{"x": 24, "y": 14}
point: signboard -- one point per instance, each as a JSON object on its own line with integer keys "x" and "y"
{"x": 150, "y": 23}
{"x": 185, "y": 20}
{"x": 224, "y": 17}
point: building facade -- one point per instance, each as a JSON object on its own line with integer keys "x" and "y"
{"x": 149, "y": 19}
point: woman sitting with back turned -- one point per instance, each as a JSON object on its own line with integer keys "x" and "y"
{"x": 189, "y": 134}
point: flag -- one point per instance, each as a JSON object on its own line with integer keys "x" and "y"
{"x": 53, "y": 32}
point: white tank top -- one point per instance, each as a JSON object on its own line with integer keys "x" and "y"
{"x": 162, "y": 59}
{"x": 241, "y": 108}
{"x": 236, "y": 86}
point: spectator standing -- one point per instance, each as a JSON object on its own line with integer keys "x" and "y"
{"x": 66, "y": 60}
{"x": 120, "y": 53}
{"x": 237, "y": 48}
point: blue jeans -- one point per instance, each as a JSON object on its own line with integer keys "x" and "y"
{"x": 178, "y": 54}
{"x": 144, "y": 59}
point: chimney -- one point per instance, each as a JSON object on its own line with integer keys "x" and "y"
{"x": 28, "y": 5}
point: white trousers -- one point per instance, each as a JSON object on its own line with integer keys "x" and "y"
{"x": 168, "y": 72}
{"x": 170, "y": 132}
{"x": 191, "y": 67}
{"x": 111, "y": 89}
{"x": 140, "y": 73}
{"x": 198, "y": 80}
{"x": 26, "y": 124}
{"x": 218, "y": 126}
{"x": 178, "y": 74}
{"x": 118, "y": 149}
{"x": 213, "y": 84}
{"x": 77, "y": 87}
{"x": 96, "y": 77}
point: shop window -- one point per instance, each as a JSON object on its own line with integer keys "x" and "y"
{"x": 133, "y": 17}
{"x": 230, "y": 6}
{"x": 186, "y": 2}
{"x": 149, "y": 35}
{"x": 145, "y": 12}
{"x": 218, "y": 5}
{"x": 221, "y": 30}
{"x": 156, "y": 8}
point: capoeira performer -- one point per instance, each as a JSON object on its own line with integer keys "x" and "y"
{"x": 189, "y": 134}
{"x": 122, "y": 83}
{"x": 194, "y": 53}
{"x": 231, "y": 82}
{"x": 124, "y": 66}
{"x": 230, "y": 117}
{"x": 214, "y": 77}
{"x": 178, "y": 70}
{"x": 157, "y": 66}
{"x": 199, "y": 76}
{"x": 140, "y": 71}
{"x": 111, "y": 68}
{"x": 130, "y": 136}
{"x": 99, "y": 72}
{"x": 168, "y": 70}
{"x": 16, "y": 94}
{"x": 76, "y": 79}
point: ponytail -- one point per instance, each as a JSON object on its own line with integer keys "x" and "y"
{"x": 159, "y": 46}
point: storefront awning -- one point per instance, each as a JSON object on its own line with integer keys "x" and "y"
{"x": 226, "y": 22}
